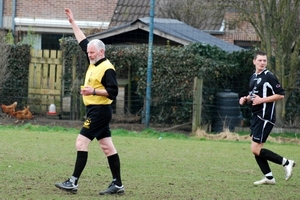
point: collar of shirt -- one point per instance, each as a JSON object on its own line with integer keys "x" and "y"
{"x": 260, "y": 72}
{"x": 100, "y": 61}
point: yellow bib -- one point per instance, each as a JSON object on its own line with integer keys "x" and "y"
{"x": 93, "y": 78}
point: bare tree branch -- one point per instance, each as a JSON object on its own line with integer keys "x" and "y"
{"x": 201, "y": 14}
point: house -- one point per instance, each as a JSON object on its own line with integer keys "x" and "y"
{"x": 47, "y": 20}
{"x": 220, "y": 26}
{"x": 166, "y": 31}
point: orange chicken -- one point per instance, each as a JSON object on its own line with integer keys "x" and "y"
{"x": 22, "y": 114}
{"x": 8, "y": 110}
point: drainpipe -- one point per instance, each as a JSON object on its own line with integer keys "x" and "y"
{"x": 14, "y": 5}
{"x": 1, "y": 13}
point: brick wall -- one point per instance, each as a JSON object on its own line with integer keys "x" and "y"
{"x": 7, "y": 7}
{"x": 242, "y": 31}
{"x": 91, "y": 10}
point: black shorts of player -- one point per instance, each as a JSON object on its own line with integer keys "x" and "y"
{"x": 260, "y": 129}
{"x": 97, "y": 122}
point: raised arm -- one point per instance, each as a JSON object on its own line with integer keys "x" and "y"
{"x": 77, "y": 31}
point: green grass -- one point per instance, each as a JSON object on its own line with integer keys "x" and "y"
{"x": 277, "y": 135}
{"x": 154, "y": 166}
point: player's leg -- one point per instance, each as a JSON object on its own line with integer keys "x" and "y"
{"x": 274, "y": 157}
{"x": 263, "y": 165}
{"x": 116, "y": 186}
{"x": 71, "y": 184}
{"x": 259, "y": 135}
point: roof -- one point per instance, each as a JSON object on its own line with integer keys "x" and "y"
{"x": 169, "y": 29}
{"x": 128, "y": 11}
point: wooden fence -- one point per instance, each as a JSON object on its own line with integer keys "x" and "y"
{"x": 46, "y": 86}
{"x": 45, "y": 80}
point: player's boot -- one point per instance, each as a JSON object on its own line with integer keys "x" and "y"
{"x": 265, "y": 181}
{"x": 289, "y": 169}
{"x": 113, "y": 189}
{"x": 69, "y": 185}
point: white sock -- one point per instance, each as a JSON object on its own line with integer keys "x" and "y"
{"x": 269, "y": 174}
{"x": 73, "y": 179}
{"x": 283, "y": 161}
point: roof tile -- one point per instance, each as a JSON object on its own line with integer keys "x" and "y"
{"x": 127, "y": 11}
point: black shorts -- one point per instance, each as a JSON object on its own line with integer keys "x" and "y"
{"x": 260, "y": 129}
{"x": 97, "y": 122}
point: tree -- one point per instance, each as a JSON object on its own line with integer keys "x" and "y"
{"x": 276, "y": 22}
{"x": 201, "y": 14}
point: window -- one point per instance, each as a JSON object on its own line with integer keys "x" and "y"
{"x": 247, "y": 44}
{"x": 51, "y": 41}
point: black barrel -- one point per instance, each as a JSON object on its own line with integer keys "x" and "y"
{"x": 227, "y": 112}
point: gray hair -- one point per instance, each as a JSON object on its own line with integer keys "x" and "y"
{"x": 98, "y": 44}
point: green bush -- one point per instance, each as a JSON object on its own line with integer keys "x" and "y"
{"x": 173, "y": 72}
{"x": 16, "y": 87}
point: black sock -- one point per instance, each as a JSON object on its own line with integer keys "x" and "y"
{"x": 81, "y": 160}
{"x": 263, "y": 165}
{"x": 115, "y": 168}
{"x": 271, "y": 156}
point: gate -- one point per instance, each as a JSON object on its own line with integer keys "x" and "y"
{"x": 46, "y": 86}
{"x": 45, "y": 80}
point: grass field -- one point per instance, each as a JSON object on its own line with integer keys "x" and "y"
{"x": 154, "y": 166}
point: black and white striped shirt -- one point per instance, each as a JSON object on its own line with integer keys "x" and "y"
{"x": 265, "y": 84}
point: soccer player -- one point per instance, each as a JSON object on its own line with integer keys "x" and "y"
{"x": 264, "y": 91}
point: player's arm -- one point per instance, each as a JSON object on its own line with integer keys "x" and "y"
{"x": 77, "y": 31}
{"x": 272, "y": 98}
{"x": 278, "y": 91}
{"x": 110, "y": 83}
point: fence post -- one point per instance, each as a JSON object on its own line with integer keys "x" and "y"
{"x": 74, "y": 91}
{"x": 197, "y": 103}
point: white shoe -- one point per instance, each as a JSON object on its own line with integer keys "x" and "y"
{"x": 265, "y": 181}
{"x": 289, "y": 169}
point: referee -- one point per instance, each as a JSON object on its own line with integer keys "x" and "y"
{"x": 99, "y": 90}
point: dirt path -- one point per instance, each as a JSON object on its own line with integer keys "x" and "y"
{"x": 54, "y": 121}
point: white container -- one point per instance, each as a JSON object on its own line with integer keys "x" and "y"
{"x": 52, "y": 109}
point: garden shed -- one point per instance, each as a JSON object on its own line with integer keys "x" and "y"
{"x": 166, "y": 32}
